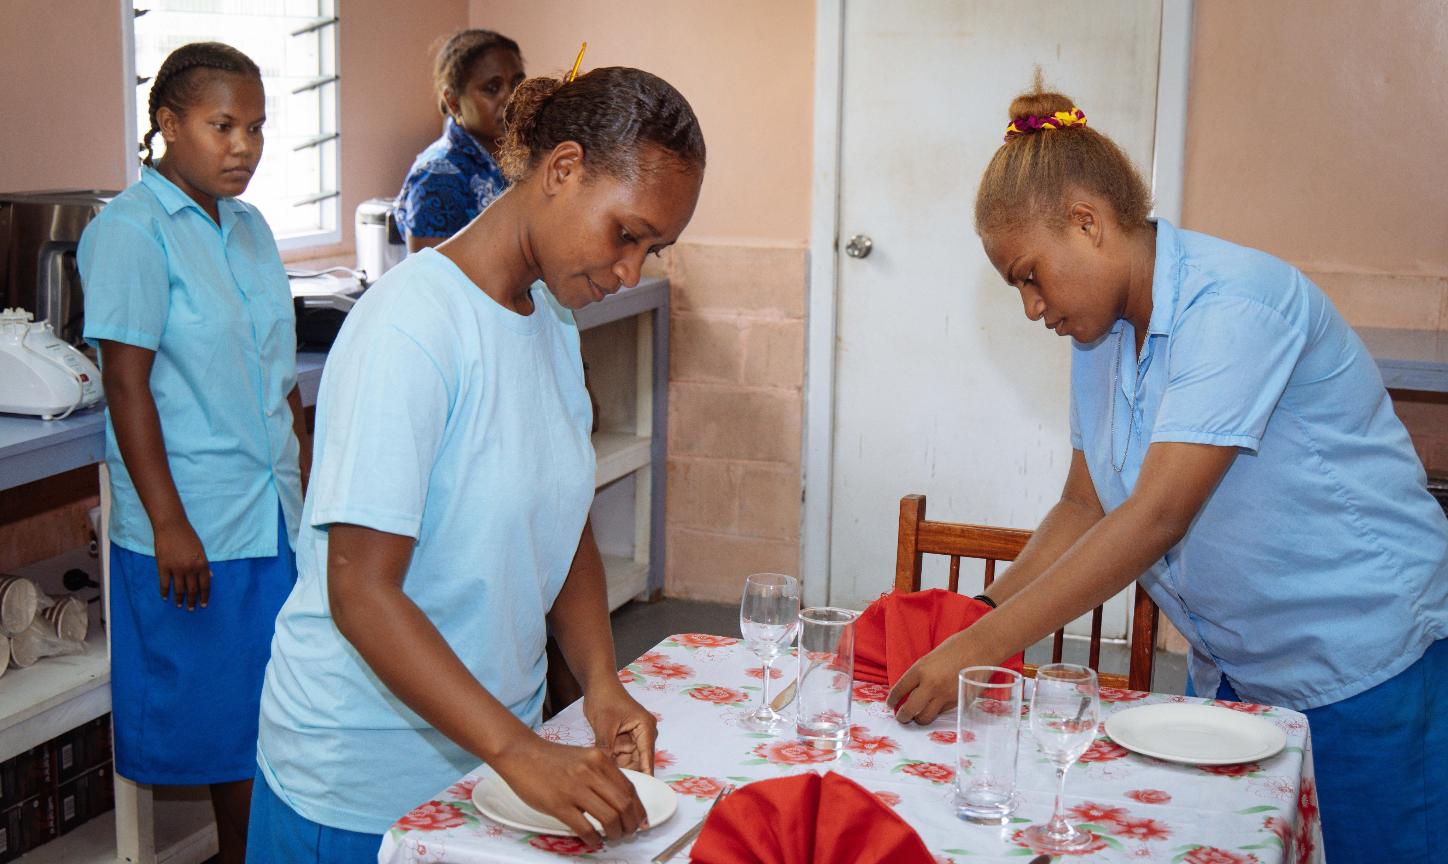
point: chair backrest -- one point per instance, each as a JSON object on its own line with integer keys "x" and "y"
{"x": 919, "y": 537}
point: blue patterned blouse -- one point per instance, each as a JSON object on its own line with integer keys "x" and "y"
{"x": 449, "y": 183}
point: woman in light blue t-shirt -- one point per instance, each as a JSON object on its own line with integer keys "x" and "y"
{"x": 1235, "y": 450}
{"x": 445, "y": 531}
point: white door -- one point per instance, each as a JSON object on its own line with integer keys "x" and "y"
{"x": 941, "y": 385}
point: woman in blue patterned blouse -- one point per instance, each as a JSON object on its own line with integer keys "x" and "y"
{"x": 457, "y": 176}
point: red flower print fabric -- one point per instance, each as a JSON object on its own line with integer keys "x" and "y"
{"x": 1149, "y": 796}
{"x": 932, "y": 771}
{"x": 1213, "y": 855}
{"x": 561, "y": 845}
{"x": 717, "y": 695}
{"x": 792, "y": 753}
{"x": 432, "y": 816}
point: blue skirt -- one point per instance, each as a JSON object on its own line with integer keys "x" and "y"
{"x": 186, "y": 686}
{"x": 277, "y": 834}
{"x": 1380, "y": 759}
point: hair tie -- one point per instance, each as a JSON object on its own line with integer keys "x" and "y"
{"x": 1029, "y": 123}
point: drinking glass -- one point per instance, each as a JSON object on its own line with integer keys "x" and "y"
{"x": 824, "y": 688}
{"x": 987, "y": 742}
{"x": 768, "y": 619}
{"x": 1065, "y": 709}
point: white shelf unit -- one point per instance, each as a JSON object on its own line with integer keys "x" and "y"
{"x": 625, "y": 343}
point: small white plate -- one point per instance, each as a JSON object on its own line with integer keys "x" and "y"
{"x": 1195, "y": 734}
{"x": 497, "y": 801}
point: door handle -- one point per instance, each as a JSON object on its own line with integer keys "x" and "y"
{"x": 859, "y": 246}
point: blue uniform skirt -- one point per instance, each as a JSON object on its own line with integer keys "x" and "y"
{"x": 1381, "y": 758}
{"x": 186, "y": 686}
{"x": 277, "y": 834}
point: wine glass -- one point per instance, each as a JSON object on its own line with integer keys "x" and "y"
{"x": 768, "y": 618}
{"x": 1065, "y": 709}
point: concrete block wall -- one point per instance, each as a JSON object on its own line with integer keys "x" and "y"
{"x": 736, "y": 408}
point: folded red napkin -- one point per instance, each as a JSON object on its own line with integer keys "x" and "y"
{"x": 807, "y": 819}
{"x": 899, "y": 629}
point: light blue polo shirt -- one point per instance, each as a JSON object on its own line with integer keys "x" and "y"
{"x": 1319, "y": 566}
{"x": 447, "y": 418}
{"x": 212, "y": 301}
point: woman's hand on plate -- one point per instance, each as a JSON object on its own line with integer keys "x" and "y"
{"x": 566, "y": 782}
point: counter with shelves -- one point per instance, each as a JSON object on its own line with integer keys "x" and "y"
{"x": 626, "y": 334}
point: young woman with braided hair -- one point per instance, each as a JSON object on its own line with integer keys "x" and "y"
{"x": 445, "y": 531}
{"x": 1235, "y": 450}
{"x": 457, "y": 176}
{"x": 187, "y": 300}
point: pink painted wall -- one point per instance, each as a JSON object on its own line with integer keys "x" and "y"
{"x": 61, "y": 96}
{"x": 747, "y": 67}
{"x": 64, "y": 110}
{"x": 1316, "y": 131}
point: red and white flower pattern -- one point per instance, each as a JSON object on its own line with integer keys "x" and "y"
{"x": 1138, "y": 809}
{"x": 1121, "y": 694}
{"x": 1213, "y": 855}
{"x": 432, "y": 816}
{"x": 703, "y": 640}
{"x": 717, "y": 695}
{"x": 1149, "y": 796}
{"x": 704, "y": 788}
{"x": 932, "y": 771}
{"x": 792, "y": 753}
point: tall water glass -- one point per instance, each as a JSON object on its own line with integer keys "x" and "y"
{"x": 1065, "y": 709}
{"x": 768, "y": 619}
{"x": 987, "y": 742}
{"x": 826, "y": 676}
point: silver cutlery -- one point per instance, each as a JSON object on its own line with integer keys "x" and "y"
{"x": 693, "y": 832}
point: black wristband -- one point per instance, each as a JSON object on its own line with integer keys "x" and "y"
{"x": 984, "y": 599}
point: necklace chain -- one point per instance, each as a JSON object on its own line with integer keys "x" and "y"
{"x": 1115, "y": 387}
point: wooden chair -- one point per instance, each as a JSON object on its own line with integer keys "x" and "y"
{"x": 919, "y": 537}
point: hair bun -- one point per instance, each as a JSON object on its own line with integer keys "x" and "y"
{"x": 520, "y": 119}
{"x": 1040, "y": 103}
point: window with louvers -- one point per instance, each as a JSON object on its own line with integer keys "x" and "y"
{"x": 295, "y": 43}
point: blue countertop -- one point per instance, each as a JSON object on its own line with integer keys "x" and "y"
{"x": 32, "y": 449}
{"x": 1409, "y": 359}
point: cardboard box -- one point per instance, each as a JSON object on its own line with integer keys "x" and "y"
{"x": 25, "y": 776}
{"x": 83, "y": 799}
{"x": 25, "y": 826}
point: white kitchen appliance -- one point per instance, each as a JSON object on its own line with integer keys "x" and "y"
{"x": 39, "y": 373}
{"x": 380, "y": 245}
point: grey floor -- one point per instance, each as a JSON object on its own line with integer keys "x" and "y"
{"x": 637, "y": 627}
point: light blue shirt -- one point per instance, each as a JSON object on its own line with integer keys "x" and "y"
{"x": 447, "y": 418}
{"x": 212, "y": 301}
{"x": 1318, "y": 568}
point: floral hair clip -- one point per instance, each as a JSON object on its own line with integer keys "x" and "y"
{"x": 1029, "y": 123}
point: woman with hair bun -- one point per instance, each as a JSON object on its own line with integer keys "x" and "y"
{"x": 445, "y": 531}
{"x": 1235, "y": 450}
{"x": 457, "y": 176}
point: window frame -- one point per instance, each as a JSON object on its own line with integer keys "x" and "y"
{"x": 330, "y": 153}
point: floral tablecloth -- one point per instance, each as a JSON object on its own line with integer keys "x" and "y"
{"x": 699, "y": 686}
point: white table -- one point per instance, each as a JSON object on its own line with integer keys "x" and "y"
{"x": 700, "y": 686}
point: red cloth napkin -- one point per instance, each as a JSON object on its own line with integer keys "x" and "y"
{"x": 807, "y": 819}
{"x": 899, "y": 629}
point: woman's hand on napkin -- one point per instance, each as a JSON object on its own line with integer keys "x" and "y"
{"x": 930, "y": 686}
{"x": 622, "y": 728}
{"x": 566, "y": 782}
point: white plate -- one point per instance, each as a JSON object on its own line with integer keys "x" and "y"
{"x": 1195, "y": 734}
{"x": 497, "y": 801}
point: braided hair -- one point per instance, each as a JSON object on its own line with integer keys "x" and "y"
{"x": 176, "y": 83}
{"x": 457, "y": 55}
